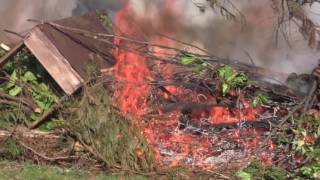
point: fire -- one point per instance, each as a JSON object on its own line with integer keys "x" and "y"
{"x": 174, "y": 144}
{"x": 132, "y": 69}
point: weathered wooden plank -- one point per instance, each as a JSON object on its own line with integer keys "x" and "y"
{"x": 52, "y": 60}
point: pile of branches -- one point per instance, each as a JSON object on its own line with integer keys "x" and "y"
{"x": 110, "y": 138}
{"x": 281, "y": 96}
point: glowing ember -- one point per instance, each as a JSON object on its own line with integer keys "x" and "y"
{"x": 174, "y": 144}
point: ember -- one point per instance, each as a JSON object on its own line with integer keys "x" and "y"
{"x": 195, "y": 119}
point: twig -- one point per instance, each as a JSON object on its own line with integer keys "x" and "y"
{"x": 17, "y": 104}
{"x": 14, "y": 33}
{"x": 185, "y": 43}
{"x": 23, "y": 101}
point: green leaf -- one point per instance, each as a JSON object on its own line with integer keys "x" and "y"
{"x": 306, "y": 170}
{"x": 34, "y": 117}
{"x": 255, "y": 102}
{"x": 188, "y": 59}
{"x": 15, "y": 91}
{"x": 244, "y": 175}
{"x": 12, "y": 82}
{"x": 198, "y": 68}
{"x": 225, "y": 72}
{"x": 29, "y": 77}
{"x": 225, "y": 88}
{"x": 259, "y": 99}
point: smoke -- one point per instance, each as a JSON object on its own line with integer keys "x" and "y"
{"x": 257, "y": 39}
{"x": 253, "y": 40}
{"x": 15, "y": 13}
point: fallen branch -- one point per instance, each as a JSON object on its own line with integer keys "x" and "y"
{"x": 27, "y": 134}
{"x": 16, "y": 104}
{"x": 18, "y": 100}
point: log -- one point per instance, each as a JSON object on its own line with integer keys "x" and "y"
{"x": 25, "y": 133}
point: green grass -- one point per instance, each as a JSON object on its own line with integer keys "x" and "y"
{"x": 28, "y": 171}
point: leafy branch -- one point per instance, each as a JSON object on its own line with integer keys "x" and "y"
{"x": 231, "y": 78}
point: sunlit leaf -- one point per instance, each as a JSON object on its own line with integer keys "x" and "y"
{"x": 29, "y": 77}
{"x": 244, "y": 175}
{"x": 225, "y": 88}
{"x": 188, "y": 59}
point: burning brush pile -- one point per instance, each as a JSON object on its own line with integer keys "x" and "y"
{"x": 167, "y": 104}
{"x": 193, "y": 110}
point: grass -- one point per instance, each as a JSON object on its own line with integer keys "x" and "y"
{"x": 28, "y": 171}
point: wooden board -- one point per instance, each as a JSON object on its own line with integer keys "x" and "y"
{"x": 52, "y": 60}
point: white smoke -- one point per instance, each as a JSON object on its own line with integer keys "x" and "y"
{"x": 255, "y": 40}
{"x": 15, "y": 13}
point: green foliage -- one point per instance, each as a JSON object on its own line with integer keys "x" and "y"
{"x": 311, "y": 171}
{"x": 305, "y": 127}
{"x": 2, "y": 52}
{"x": 260, "y": 99}
{"x": 10, "y": 150}
{"x": 258, "y": 170}
{"x": 244, "y": 175}
{"x": 231, "y": 78}
{"x": 200, "y": 66}
{"x": 26, "y": 77}
{"x": 52, "y": 124}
